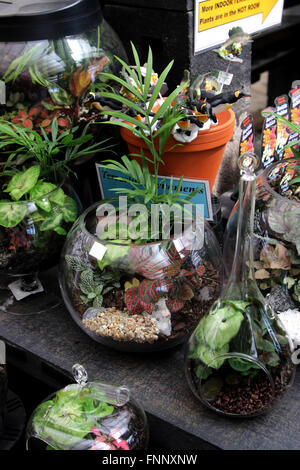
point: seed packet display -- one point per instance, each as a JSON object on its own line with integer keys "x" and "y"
{"x": 282, "y": 134}
{"x": 294, "y": 95}
{"x": 268, "y": 139}
{"x": 247, "y": 135}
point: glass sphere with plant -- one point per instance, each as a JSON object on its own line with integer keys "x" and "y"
{"x": 37, "y": 203}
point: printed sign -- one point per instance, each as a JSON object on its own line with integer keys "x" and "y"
{"x": 107, "y": 182}
{"x": 214, "y": 18}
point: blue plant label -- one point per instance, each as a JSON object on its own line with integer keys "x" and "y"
{"x": 107, "y": 181}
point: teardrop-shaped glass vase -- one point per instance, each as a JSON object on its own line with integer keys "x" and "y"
{"x": 238, "y": 359}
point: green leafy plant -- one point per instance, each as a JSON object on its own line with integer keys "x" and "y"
{"x": 66, "y": 419}
{"x": 53, "y": 152}
{"x": 227, "y": 324}
{"x": 144, "y": 124}
{"x": 49, "y": 205}
{"x": 93, "y": 284}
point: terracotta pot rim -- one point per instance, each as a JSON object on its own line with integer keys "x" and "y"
{"x": 214, "y": 137}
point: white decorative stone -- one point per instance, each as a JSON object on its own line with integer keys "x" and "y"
{"x": 291, "y": 321}
{"x": 162, "y": 316}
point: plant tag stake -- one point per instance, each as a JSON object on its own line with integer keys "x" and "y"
{"x": 225, "y": 77}
{"x": 2, "y": 92}
{"x": 2, "y": 353}
{"x": 282, "y": 135}
{"x": 18, "y": 291}
{"x": 98, "y": 251}
{"x": 268, "y": 138}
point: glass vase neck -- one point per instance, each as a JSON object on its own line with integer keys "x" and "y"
{"x": 241, "y": 283}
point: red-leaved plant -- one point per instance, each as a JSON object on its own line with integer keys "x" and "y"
{"x": 177, "y": 290}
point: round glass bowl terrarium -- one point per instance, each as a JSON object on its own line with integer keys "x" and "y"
{"x": 32, "y": 234}
{"x": 52, "y": 55}
{"x": 239, "y": 359}
{"x": 88, "y": 416}
{"x": 138, "y": 297}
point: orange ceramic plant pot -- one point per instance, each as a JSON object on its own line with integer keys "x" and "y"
{"x": 199, "y": 159}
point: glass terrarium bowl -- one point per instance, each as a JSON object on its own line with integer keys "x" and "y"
{"x": 51, "y": 58}
{"x": 88, "y": 416}
{"x": 32, "y": 234}
{"x": 231, "y": 383}
{"x": 239, "y": 360}
{"x": 276, "y": 236}
{"x": 138, "y": 297}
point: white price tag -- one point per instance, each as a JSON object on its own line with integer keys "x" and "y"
{"x": 225, "y": 77}
{"x": 98, "y": 251}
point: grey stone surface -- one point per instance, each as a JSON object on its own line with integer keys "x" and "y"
{"x": 158, "y": 381}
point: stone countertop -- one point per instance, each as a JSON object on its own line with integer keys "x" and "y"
{"x": 158, "y": 381}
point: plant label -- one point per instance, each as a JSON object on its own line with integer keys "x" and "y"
{"x": 98, "y": 251}
{"x": 18, "y": 291}
{"x": 268, "y": 138}
{"x": 282, "y": 133}
{"x": 225, "y": 77}
{"x": 2, "y": 353}
{"x": 107, "y": 182}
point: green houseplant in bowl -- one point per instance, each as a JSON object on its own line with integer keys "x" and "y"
{"x": 37, "y": 206}
{"x": 135, "y": 282}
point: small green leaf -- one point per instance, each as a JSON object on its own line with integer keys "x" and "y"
{"x": 38, "y": 191}
{"x": 23, "y": 182}
{"x": 60, "y": 231}
{"x": 69, "y": 209}
{"x": 51, "y": 223}
{"x": 11, "y": 214}
{"x": 58, "y": 196}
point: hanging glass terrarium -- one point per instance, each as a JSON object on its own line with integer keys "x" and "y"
{"x": 52, "y": 55}
{"x": 138, "y": 295}
{"x": 88, "y": 416}
{"x": 239, "y": 357}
